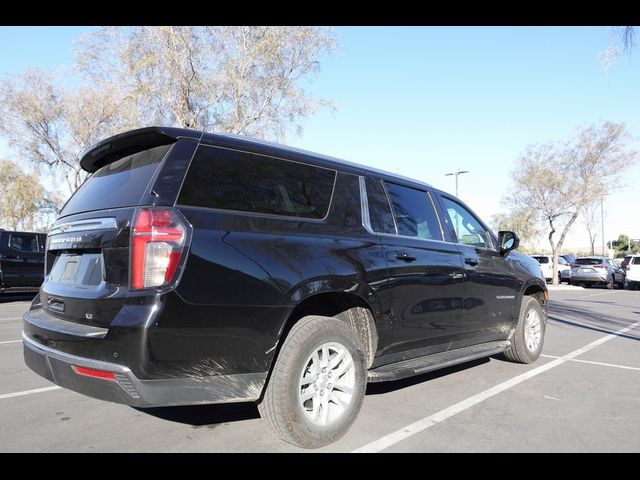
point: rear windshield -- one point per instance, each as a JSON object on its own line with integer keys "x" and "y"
{"x": 542, "y": 259}
{"x": 119, "y": 184}
{"x": 588, "y": 261}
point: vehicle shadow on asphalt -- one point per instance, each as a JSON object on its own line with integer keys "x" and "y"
{"x": 16, "y": 297}
{"x": 386, "y": 387}
{"x": 205, "y": 415}
{"x": 213, "y": 415}
{"x": 590, "y": 320}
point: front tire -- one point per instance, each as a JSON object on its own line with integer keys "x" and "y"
{"x": 317, "y": 385}
{"x": 528, "y": 339}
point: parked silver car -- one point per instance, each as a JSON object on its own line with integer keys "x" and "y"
{"x": 594, "y": 270}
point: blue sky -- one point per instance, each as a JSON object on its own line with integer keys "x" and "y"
{"x": 424, "y": 101}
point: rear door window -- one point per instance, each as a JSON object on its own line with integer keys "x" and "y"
{"x": 122, "y": 183}
{"x": 24, "y": 242}
{"x": 635, "y": 261}
{"x": 232, "y": 180}
{"x": 542, "y": 260}
{"x": 414, "y": 212}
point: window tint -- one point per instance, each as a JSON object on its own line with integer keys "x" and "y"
{"x": 232, "y": 180}
{"x": 542, "y": 259}
{"x": 119, "y": 184}
{"x": 635, "y": 261}
{"x": 588, "y": 261}
{"x": 23, "y": 242}
{"x": 467, "y": 228}
{"x": 415, "y": 216}
{"x": 379, "y": 208}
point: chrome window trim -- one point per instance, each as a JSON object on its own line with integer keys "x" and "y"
{"x": 435, "y": 210}
{"x": 105, "y": 223}
{"x": 364, "y": 206}
{"x": 393, "y": 213}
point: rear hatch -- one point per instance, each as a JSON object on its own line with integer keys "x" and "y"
{"x": 588, "y": 265}
{"x": 89, "y": 254}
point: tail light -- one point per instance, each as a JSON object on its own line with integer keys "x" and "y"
{"x": 158, "y": 240}
{"x": 599, "y": 266}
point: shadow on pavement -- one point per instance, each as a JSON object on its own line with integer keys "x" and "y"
{"x": 16, "y": 297}
{"x": 589, "y": 319}
{"x": 205, "y": 415}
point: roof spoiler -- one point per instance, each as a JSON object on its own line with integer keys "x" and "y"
{"x": 114, "y": 148}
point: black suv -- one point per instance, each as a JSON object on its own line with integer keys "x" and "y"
{"x": 203, "y": 268}
{"x": 21, "y": 261}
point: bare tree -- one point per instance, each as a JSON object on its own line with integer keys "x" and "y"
{"x": 524, "y": 221}
{"x": 246, "y": 80}
{"x": 560, "y": 180}
{"x": 591, "y": 221}
{"x": 24, "y": 204}
{"x": 238, "y": 79}
{"x": 50, "y": 126}
{"x": 624, "y": 37}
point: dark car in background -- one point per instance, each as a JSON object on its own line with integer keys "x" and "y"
{"x": 597, "y": 270}
{"x": 21, "y": 261}
{"x": 197, "y": 268}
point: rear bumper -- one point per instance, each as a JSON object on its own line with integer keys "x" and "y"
{"x": 589, "y": 278}
{"x": 127, "y": 389}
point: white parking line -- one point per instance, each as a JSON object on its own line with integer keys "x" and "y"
{"x": 10, "y": 341}
{"x": 29, "y": 392}
{"x": 603, "y": 293}
{"x": 417, "y": 427}
{"x": 11, "y": 318}
{"x": 595, "y": 363}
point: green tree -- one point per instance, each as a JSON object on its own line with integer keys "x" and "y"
{"x": 621, "y": 246}
{"x": 524, "y": 221}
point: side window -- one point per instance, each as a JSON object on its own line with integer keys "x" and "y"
{"x": 247, "y": 182}
{"x": 23, "y": 242}
{"x": 467, "y": 228}
{"x": 414, "y": 212}
{"x": 379, "y": 209}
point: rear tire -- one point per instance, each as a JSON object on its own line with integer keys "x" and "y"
{"x": 611, "y": 283}
{"x": 304, "y": 404}
{"x": 528, "y": 339}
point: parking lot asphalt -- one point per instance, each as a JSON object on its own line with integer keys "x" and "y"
{"x": 582, "y": 395}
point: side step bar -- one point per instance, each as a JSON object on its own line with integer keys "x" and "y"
{"x": 416, "y": 366}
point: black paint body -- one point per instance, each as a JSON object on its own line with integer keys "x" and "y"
{"x": 244, "y": 274}
{"x": 21, "y": 269}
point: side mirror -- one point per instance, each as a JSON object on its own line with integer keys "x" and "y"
{"x": 507, "y": 241}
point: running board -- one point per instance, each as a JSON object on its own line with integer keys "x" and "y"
{"x": 416, "y": 366}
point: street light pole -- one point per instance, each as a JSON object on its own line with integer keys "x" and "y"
{"x": 459, "y": 172}
{"x": 602, "y": 222}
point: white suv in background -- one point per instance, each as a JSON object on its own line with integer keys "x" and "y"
{"x": 633, "y": 272}
{"x": 546, "y": 265}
